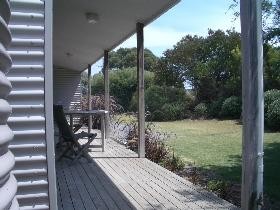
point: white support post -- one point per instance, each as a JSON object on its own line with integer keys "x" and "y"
{"x": 107, "y": 92}
{"x": 253, "y": 108}
{"x": 48, "y": 47}
{"x": 141, "y": 96}
{"x": 89, "y": 99}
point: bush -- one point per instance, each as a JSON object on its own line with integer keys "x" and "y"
{"x": 173, "y": 111}
{"x": 273, "y": 115}
{"x": 215, "y": 107}
{"x": 155, "y": 148}
{"x": 190, "y": 100}
{"x": 200, "y": 110}
{"x": 219, "y": 187}
{"x": 231, "y": 108}
{"x": 269, "y": 97}
{"x": 123, "y": 84}
{"x": 97, "y": 103}
{"x": 155, "y": 98}
{"x": 165, "y": 103}
{"x": 173, "y": 163}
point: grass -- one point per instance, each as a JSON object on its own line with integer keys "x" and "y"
{"x": 216, "y": 146}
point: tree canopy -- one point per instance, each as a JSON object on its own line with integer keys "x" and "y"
{"x": 270, "y": 19}
{"x": 210, "y": 64}
{"x": 127, "y": 58}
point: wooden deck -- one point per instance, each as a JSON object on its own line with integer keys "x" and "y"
{"x": 117, "y": 179}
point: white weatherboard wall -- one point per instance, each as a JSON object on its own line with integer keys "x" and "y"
{"x": 67, "y": 88}
{"x": 27, "y": 99}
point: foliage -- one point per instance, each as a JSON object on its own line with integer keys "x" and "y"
{"x": 269, "y": 97}
{"x": 272, "y": 67}
{"x": 273, "y": 115}
{"x": 127, "y": 57}
{"x": 218, "y": 186}
{"x": 270, "y": 18}
{"x": 212, "y": 65}
{"x": 214, "y": 108}
{"x": 156, "y": 149}
{"x": 174, "y": 163}
{"x": 97, "y": 103}
{"x": 167, "y": 73}
{"x": 123, "y": 84}
{"x": 174, "y": 111}
{"x": 200, "y": 110}
{"x": 84, "y": 83}
{"x": 165, "y": 103}
{"x": 190, "y": 100}
{"x": 231, "y": 108}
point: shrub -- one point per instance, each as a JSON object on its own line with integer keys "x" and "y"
{"x": 97, "y": 103}
{"x": 155, "y": 148}
{"x": 123, "y": 84}
{"x": 173, "y": 163}
{"x": 156, "y": 151}
{"x": 165, "y": 103}
{"x": 269, "y": 97}
{"x": 173, "y": 111}
{"x": 231, "y": 108}
{"x": 155, "y": 98}
{"x": 200, "y": 110}
{"x": 157, "y": 116}
{"x": 215, "y": 107}
{"x": 190, "y": 100}
{"x": 273, "y": 115}
{"x": 219, "y": 187}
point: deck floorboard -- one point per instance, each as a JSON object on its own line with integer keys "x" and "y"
{"x": 118, "y": 179}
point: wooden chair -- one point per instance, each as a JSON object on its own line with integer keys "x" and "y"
{"x": 70, "y": 138}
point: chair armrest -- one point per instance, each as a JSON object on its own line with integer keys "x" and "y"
{"x": 84, "y": 135}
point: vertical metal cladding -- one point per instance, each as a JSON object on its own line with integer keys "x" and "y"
{"x": 27, "y": 99}
{"x": 8, "y": 183}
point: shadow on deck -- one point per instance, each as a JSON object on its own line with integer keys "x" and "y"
{"x": 117, "y": 179}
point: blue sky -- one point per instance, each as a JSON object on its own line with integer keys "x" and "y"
{"x": 193, "y": 17}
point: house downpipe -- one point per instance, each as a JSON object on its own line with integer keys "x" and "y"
{"x": 8, "y": 183}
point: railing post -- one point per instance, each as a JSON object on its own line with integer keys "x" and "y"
{"x": 107, "y": 92}
{"x": 141, "y": 96}
{"x": 253, "y": 111}
{"x": 89, "y": 99}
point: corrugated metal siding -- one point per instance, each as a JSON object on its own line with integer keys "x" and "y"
{"x": 67, "y": 88}
{"x": 27, "y": 100}
{"x": 8, "y": 183}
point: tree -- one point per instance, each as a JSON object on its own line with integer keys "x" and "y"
{"x": 123, "y": 84}
{"x": 271, "y": 29}
{"x": 270, "y": 18}
{"x": 212, "y": 65}
{"x": 127, "y": 58}
{"x": 272, "y": 67}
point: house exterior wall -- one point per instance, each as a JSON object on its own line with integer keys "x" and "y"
{"x": 8, "y": 183}
{"x": 67, "y": 86}
{"x": 28, "y": 120}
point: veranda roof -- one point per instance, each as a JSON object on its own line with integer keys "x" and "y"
{"x": 78, "y": 43}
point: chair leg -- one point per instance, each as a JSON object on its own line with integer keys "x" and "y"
{"x": 65, "y": 151}
{"x": 83, "y": 149}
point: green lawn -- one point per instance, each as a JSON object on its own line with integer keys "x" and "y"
{"x": 216, "y": 145}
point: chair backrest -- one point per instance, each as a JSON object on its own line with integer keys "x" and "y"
{"x": 62, "y": 124}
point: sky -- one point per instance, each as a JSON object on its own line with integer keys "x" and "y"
{"x": 193, "y": 17}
